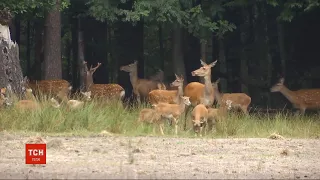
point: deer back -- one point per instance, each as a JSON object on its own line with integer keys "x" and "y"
{"x": 50, "y": 86}
{"x": 195, "y": 91}
{"x": 237, "y": 98}
{"x": 308, "y": 97}
{"x": 144, "y": 86}
{"x": 107, "y": 90}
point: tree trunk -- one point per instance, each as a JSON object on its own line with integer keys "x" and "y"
{"x": 177, "y": 54}
{"x": 281, "y": 42}
{"x": 52, "y": 46}
{"x": 82, "y": 72}
{"x": 244, "y": 58}
{"x": 161, "y": 48}
{"x": 223, "y": 65}
{"x": 28, "y": 47}
{"x": 35, "y": 72}
{"x": 139, "y": 30}
{"x": 10, "y": 69}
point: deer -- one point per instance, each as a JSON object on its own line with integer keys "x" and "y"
{"x": 199, "y": 119}
{"x": 172, "y": 111}
{"x": 141, "y": 87}
{"x": 28, "y": 104}
{"x": 168, "y": 96}
{"x": 73, "y": 103}
{"x": 300, "y": 99}
{"x": 54, "y": 87}
{"x": 217, "y": 114}
{"x": 232, "y": 100}
{"x": 101, "y": 90}
{"x": 200, "y": 93}
{"x": 159, "y": 76}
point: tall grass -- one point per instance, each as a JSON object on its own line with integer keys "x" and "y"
{"x": 96, "y": 116}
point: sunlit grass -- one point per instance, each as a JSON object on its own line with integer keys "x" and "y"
{"x": 98, "y": 116}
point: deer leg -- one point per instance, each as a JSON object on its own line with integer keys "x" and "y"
{"x": 185, "y": 117}
{"x": 175, "y": 126}
{"x": 302, "y": 111}
{"x": 161, "y": 128}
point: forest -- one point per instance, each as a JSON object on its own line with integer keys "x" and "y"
{"x": 255, "y": 42}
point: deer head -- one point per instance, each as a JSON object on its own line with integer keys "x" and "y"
{"x": 185, "y": 100}
{"x": 90, "y": 72}
{"x": 178, "y": 82}
{"x": 87, "y": 95}
{"x": 205, "y": 70}
{"x": 278, "y": 86}
{"x": 130, "y": 67}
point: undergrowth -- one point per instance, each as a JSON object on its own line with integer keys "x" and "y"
{"x": 115, "y": 118}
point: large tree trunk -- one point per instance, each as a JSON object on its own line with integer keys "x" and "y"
{"x": 10, "y": 69}
{"x": 177, "y": 53}
{"x": 52, "y": 48}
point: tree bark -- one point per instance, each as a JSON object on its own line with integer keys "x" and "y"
{"x": 281, "y": 42}
{"x": 52, "y": 45}
{"x": 28, "y": 47}
{"x": 10, "y": 69}
{"x": 177, "y": 54}
{"x": 161, "y": 48}
{"x": 223, "y": 64}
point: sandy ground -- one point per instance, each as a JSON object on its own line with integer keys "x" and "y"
{"x": 163, "y": 158}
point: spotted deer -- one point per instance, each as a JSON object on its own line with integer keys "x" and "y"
{"x": 141, "y": 87}
{"x": 200, "y": 93}
{"x": 199, "y": 119}
{"x": 234, "y": 100}
{"x": 101, "y": 90}
{"x": 168, "y": 96}
{"x": 172, "y": 111}
{"x": 301, "y": 99}
{"x": 55, "y": 87}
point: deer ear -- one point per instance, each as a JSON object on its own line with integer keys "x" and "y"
{"x": 135, "y": 62}
{"x": 213, "y": 63}
{"x": 218, "y": 80}
{"x": 202, "y": 63}
{"x": 176, "y": 75}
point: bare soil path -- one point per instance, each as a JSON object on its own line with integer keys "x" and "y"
{"x": 163, "y": 158}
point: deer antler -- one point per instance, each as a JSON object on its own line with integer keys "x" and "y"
{"x": 95, "y": 68}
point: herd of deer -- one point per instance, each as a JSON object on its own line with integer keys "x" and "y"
{"x": 168, "y": 102}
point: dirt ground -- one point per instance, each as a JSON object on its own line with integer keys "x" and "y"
{"x": 163, "y": 158}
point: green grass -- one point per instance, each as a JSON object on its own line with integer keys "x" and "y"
{"x": 113, "y": 117}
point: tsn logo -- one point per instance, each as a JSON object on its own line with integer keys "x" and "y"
{"x": 36, "y": 154}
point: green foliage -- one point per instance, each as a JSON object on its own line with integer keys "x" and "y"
{"x": 28, "y": 6}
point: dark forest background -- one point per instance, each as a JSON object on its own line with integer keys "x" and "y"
{"x": 254, "y": 41}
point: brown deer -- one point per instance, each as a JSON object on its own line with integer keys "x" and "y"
{"x": 159, "y": 76}
{"x": 168, "y": 96}
{"x": 54, "y": 87}
{"x": 172, "y": 111}
{"x": 141, "y": 87}
{"x": 234, "y": 100}
{"x": 101, "y": 90}
{"x": 28, "y": 104}
{"x": 200, "y": 93}
{"x": 301, "y": 99}
{"x": 199, "y": 119}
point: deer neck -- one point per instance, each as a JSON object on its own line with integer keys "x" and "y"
{"x": 178, "y": 94}
{"x": 208, "y": 89}
{"x": 288, "y": 94}
{"x": 89, "y": 80}
{"x": 133, "y": 78}
{"x": 182, "y": 106}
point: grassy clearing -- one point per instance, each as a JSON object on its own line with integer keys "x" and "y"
{"x": 113, "y": 117}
